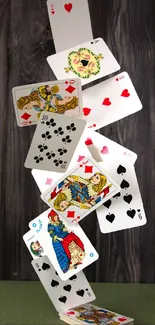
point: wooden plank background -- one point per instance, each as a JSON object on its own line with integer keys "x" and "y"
{"x": 128, "y": 27}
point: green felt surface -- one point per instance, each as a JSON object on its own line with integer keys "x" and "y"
{"x": 26, "y": 303}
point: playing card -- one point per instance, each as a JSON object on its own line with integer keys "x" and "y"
{"x": 64, "y": 295}
{"x": 88, "y": 61}
{"x": 61, "y": 97}
{"x": 89, "y": 313}
{"x": 110, "y": 101}
{"x": 101, "y": 147}
{"x": 66, "y": 245}
{"x": 125, "y": 210}
{"x": 54, "y": 142}
{"x": 80, "y": 191}
{"x": 34, "y": 246}
{"x": 70, "y": 23}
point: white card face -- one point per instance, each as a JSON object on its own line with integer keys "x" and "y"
{"x": 125, "y": 210}
{"x": 66, "y": 245}
{"x": 33, "y": 245}
{"x": 110, "y": 101}
{"x": 64, "y": 295}
{"x": 88, "y": 61}
{"x": 101, "y": 147}
{"x": 69, "y": 24}
{"x": 80, "y": 191}
{"x": 54, "y": 142}
{"x": 61, "y": 97}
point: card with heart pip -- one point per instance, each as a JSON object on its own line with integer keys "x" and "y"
{"x": 54, "y": 142}
{"x": 125, "y": 210}
{"x": 70, "y": 23}
{"x": 88, "y": 61}
{"x": 66, "y": 245}
{"x": 80, "y": 191}
{"x": 110, "y": 101}
{"x": 61, "y": 97}
{"x": 64, "y": 295}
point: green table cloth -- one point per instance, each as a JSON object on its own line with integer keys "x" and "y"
{"x": 26, "y": 303}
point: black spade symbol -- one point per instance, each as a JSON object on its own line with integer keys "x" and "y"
{"x": 117, "y": 195}
{"x": 121, "y": 169}
{"x": 45, "y": 266}
{"x": 110, "y": 217}
{"x": 84, "y": 63}
{"x": 67, "y": 288}
{"x": 107, "y": 204}
{"x": 74, "y": 277}
{"x": 131, "y": 213}
{"x": 124, "y": 184}
{"x": 63, "y": 299}
{"x": 138, "y": 210}
{"x": 127, "y": 198}
{"x": 54, "y": 283}
{"x": 80, "y": 293}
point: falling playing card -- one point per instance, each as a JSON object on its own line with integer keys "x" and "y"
{"x": 54, "y": 142}
{"x": 80, "y": 191}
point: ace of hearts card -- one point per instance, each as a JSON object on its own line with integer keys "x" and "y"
{"x": 80, "y": 191}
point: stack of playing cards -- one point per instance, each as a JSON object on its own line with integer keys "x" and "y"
{"x": 77, "y": 169}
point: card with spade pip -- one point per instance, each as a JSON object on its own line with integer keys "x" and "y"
{"x": 54, "y": 142}
{"x": 110, "y": 101}
{"x": 66, "y": 245}
{"x": 64, "y": 295}
{"x": 80, "y": 191}
{"x": 125, "y": 210}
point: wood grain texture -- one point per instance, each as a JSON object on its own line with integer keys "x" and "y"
{"x": 128, "y": 27}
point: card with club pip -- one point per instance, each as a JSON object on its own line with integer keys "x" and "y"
{"x": 33, "y": 244}
{"x": 80, "y": 191}
{"x": 64, "y": 295}
{"x": 90, "y": 314}
{"x": 54, "y": 142}
{"x": 125, "y": 210}
{"x": 110, "y": 101}
{"x": 88, "y": 61}
{"x": 66, "y": 245}
{"x": 70, "y": 23}
{"x": 61, "y": 97}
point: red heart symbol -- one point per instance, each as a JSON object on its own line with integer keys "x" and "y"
{"x": 104, "y": 150}
{"x": 106, "y": 102}
{"x": 68, "y": 7}
{"x": 86, "y": 111}
{"x": 117, "y": 79}
{"x": 125, "y": 93}
{"x": 53, "y": 12}
{"x": 122, "y": 319}
{"x": 70, "y": 313}
{"x": 88, "y": 142}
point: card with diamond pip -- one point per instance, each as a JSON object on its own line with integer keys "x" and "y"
{"x": 61, "y": 97}
{"x": 80, "y": 191}
{"x": 54, "y": 142}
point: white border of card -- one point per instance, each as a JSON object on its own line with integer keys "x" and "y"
{"x": 88, "y": 61}
{"x": 82, "y": 204}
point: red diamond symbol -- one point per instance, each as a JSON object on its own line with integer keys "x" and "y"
{"x": 70, "y": 214}
{"x": 88, "y": 169}
{"x": 25, "y": 116}
{"x": 70, "y": 89}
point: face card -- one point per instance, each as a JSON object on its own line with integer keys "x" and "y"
{"x": 64, "y": 295}
{"x": 54, "y": 142}
{"x": 34, "y": 246}
{"x": 89, "y": 313}
{"x": 80, "y": 191}
{"x": 61, "y": 97}
{"x": 101, "y": 147}
{"x": 74, "y": 17}
{"x": 88, "y": 61}
{"x": 66, "y": 245}
{"x": 125, "y": 210}
{"x": 110, "y": 101}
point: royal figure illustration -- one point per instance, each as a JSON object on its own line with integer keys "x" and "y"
{"x": 80, "y": 192}
{"x": 46, "y": 98}
{"x": 36, "y": 248}
{"x": 94, "y": 316}
{"x": 68, "y": 247}
{"x": 84, "y": 63}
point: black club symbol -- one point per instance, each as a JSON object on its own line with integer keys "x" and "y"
{"x": 51, "y": 122}
{"x": 42, "y": 147}
{"x": 59, "y": 131}
{"x": 38, "y": 159}
{"x": 46, "y": 135}
{"x": 50, "y": 155}
{"x": 58, "y": 162}
{"x": 62, "y": 151}
{"x": 67, "y": 139}
{"x": 71, "y": 127}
